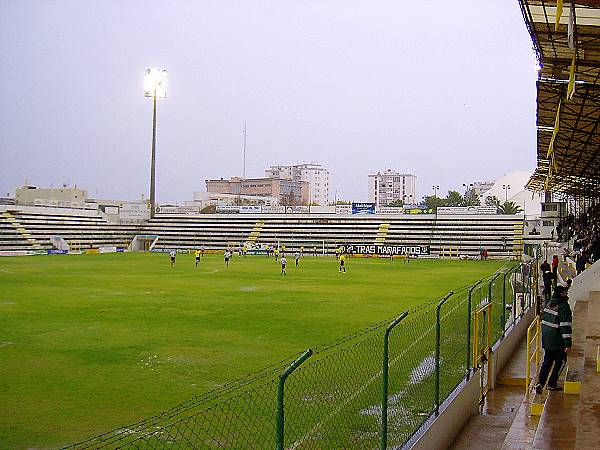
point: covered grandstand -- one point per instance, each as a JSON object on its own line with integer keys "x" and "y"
{"x": 566, "y": 40}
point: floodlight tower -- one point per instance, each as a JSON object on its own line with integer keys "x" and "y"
{"x": 155, "y": 86}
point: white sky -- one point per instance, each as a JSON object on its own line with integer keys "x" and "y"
{"x": 443, "y": 89}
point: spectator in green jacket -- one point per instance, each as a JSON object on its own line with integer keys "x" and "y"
{"x": 556, "y": 339}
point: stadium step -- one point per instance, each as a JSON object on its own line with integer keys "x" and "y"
{"x": 589, "y": 419}
{"x": 542, "y": 419}
{"x": 518, "y": 238}
{"x": 560, "y": 415}
{"x": 255, "y": 233}
{"x": 382, "y": 233}
{"x": 26, "y": 235}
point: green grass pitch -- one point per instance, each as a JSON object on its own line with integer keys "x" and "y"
{"x": 91, "y": 342}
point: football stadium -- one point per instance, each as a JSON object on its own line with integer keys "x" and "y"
{"x": 236, "y": 322}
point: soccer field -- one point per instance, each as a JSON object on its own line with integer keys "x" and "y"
{"x": 91, "y": 342}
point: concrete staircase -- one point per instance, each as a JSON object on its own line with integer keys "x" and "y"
{"x": 384, "y": 227}
{"x": 255, "y": 233}
{"x": 518, "y": 238}
{"x": 26, "y": 235}
{"x": 568, "y": 419}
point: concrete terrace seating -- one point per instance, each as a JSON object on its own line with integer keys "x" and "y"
{"x": 10, "y": 238}
{"x": 80, "y": 231}
{"x": 465, "y": 233}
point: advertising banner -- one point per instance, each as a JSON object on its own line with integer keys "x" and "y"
{"x": 297, "y": 209}
{"x": 248, "y": 209}
{"x": 273, "y": 209}
{"x": 417, "y": 209}
{"x": 389, "y": 210}
{"x": 177, "y": 210}
{"x": 134, "y": 211}
{"x": 363, "y": 208}
{"x": 343, "y": 209}
{"x": 385, "y": 250}
{"x": 228, "y": 209}
{"x": 457, "y": 210}
{"x": 58, "y": 252}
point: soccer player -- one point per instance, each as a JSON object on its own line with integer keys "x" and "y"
{"x": 315, "y": 250}
{"x": 302, "y": 250}
{"x": 173, "y": 255}
{"x": 276, "y": 253}
{"x": 244, "y": 251}
{"x": 342, "y": 263}
{"x": 283, "y": 263}
{"x": 202, "y": 250}
{"x": 197, "y": 257}
{"x": 227, "y": 256}
{"x": 297, "y": 258}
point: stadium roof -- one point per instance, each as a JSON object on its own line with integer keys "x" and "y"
{"x": 566, "y": 39}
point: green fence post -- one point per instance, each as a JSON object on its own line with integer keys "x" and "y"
{"x": 279, "y": 436}
{"x": 469, "y": 310}
{"x": 384, "y": 398}
{"x": 504, "y": 301}
{"x": 515, "y": 297}
{"x": 437, "y": 351}
{"x": 490, "y": 299}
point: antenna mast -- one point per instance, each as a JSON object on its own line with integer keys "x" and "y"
{"x": 244, "y": 169}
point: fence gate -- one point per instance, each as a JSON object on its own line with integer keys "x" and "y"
{"x": 482, "y": 347}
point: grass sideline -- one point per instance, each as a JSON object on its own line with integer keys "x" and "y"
{"x": 91, "y": 342}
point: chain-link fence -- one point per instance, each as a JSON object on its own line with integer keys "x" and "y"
{"x": 372, "y": 389}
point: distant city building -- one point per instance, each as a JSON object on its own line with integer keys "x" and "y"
{"x": 390, "y": 186}
{"x": 315, "y": 175}
{"x": 33, "y": 195}
{"x": 286, "y": 191}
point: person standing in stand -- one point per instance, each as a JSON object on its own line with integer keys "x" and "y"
{"x": 556, "y": 339}
{"x": 555, "y": 270}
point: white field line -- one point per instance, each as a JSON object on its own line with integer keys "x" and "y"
{"x": 359, "y": 391}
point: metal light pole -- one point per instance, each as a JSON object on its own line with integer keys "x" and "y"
{"x": 244, "y": 167}
{"x": 506, "y": 188}
{"x": 435, "y": 190}
{"x": 155, "y": 86}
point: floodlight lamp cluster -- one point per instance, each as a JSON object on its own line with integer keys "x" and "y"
{"x": 155, "y": 83}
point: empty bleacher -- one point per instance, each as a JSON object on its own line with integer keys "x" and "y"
{"x": 467, "y": 234}
{"x": 464, "y": 234}
{"x": 32, "y": 228}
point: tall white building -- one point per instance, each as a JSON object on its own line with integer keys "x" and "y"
{"x": 389, "y": 186}
{"x": 315, "y": 174}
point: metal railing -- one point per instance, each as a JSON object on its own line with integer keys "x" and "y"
{"x": 534, "y": 340}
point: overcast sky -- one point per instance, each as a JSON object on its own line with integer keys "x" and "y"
{"x": 443, "y": 89}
